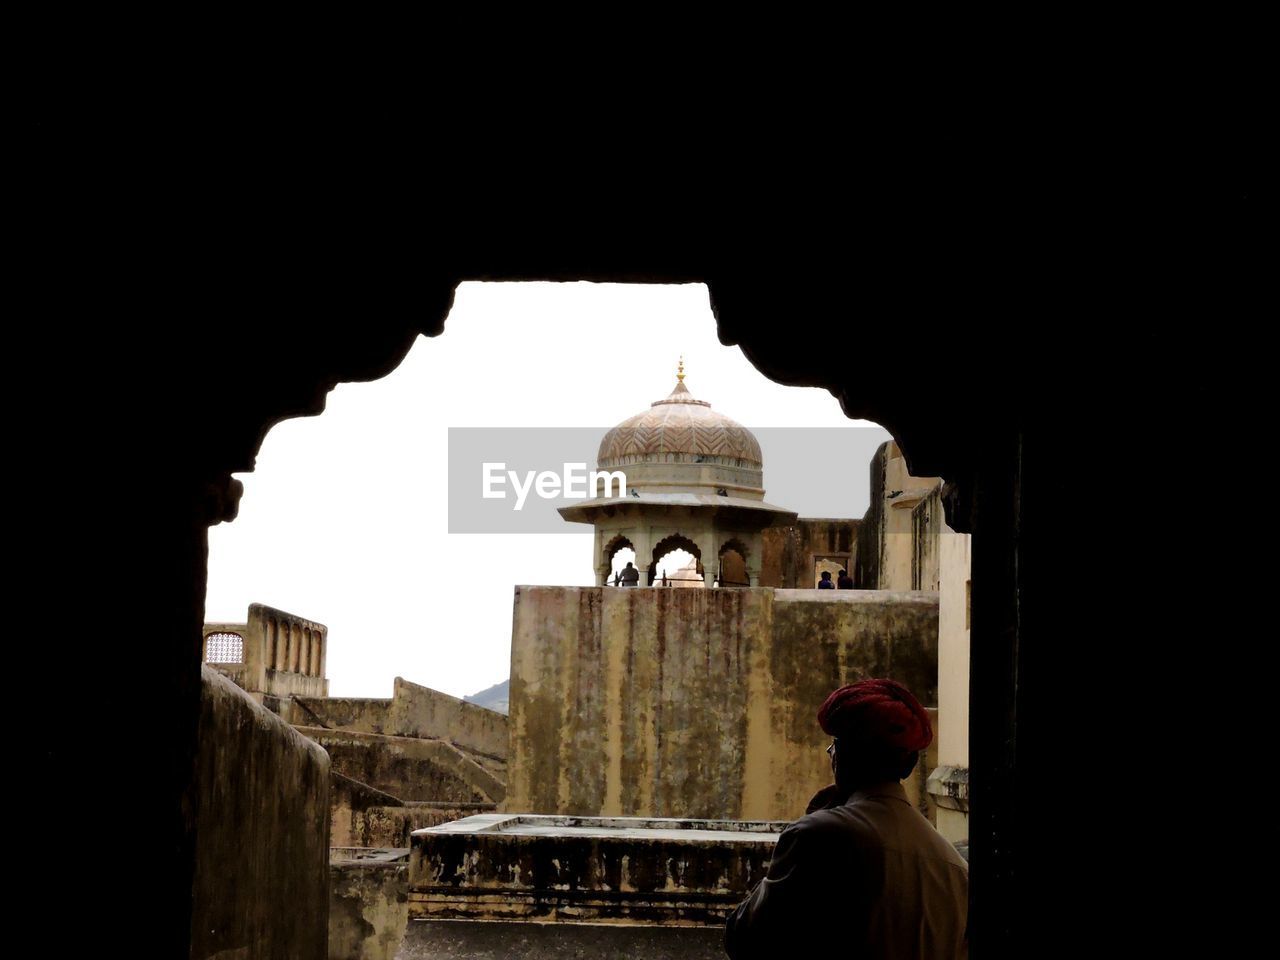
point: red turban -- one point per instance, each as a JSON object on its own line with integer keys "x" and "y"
{"x": 877, "y": 712}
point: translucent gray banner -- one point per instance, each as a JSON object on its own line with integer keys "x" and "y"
{"x": 514, "y": 479}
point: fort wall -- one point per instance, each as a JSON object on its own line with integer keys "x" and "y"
{"x": 696, "y": 703}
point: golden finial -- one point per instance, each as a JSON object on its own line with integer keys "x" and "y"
{"x": 680, "y": 370}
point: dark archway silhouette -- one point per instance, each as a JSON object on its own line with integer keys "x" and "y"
{"x": 203, "y": 491}
{"x": 280, "y": 274}
{"x": 733, "y": 565}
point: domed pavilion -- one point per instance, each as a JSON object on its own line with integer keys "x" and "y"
{"x": 695, "y": 482}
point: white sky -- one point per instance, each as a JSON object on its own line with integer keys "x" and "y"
{"x": 344, "y": 519}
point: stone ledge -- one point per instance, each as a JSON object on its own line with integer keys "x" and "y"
{"x": 587, "y": 869}
{"x": 949, "y": 787}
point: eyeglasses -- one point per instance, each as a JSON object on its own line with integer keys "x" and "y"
{"x": 831, "y": 749}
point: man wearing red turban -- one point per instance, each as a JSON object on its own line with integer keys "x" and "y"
{"x": 862, "y": 872}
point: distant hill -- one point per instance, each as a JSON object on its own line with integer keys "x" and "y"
{"x": 495, "y": 697}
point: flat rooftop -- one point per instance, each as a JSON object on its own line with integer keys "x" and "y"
{"x": 628, "y": 828}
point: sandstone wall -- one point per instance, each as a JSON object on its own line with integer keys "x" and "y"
{"x": 790, "y": 552}
{"x": 368, "y": 908}
{"x": 283, "y": 655}
{"x": 695, "y": 703}
{"x": 345, "y": 713}
{"x": 363, "y": 816}
{"x": 261, "y": 832}
{"x": 408, "y": 768}
{"x": 588, "y": 870}
{"x": 418, "y": 711}
{"x": 869, "y": 552}
{"x": 349, "y": 804}
{"x": 955, "y": 574}
{"x": 413, "y": 711}
{"x": 928, "y": 528}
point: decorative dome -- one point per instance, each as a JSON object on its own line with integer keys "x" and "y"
{"x": 679, "y": 428}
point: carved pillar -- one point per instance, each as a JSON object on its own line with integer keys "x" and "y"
{"x": 708, "y": 542}
{"x": 643, "y": 543}
{"x": 755, "y": 547}
{"x": 602, "y": 562}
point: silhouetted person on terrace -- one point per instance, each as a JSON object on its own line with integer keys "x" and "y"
{"x": 824, "y": 582}
{"x": 844, "y": 581}
{"x": 630, "y": 576}
{"x": 862, "y": 874}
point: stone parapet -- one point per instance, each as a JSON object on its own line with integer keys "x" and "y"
{"x": 587, "y": 869}
{"x": 949, "y": 787}
{"x": 408, "y": 768}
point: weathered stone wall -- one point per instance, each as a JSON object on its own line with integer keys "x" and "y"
{"x": 363, "y": 816}
{"x": 928, "y": 526}
{"x": 902, "y": 493}
{"x": 261, "y": 832}
{"x": 408, "y": 768}
{"x": 951, "y": 787}
{"x": 790, "y": 552}
{"x": 418, "y": 711}
{"x": 695, "y": 703}
{"x": 413, "y": 711}
{"x": 867, "y": 562}
{"x": 349, "y": 802}
{"x": 280, "y": 685}
{"x": 237, "y": 673}
{"x": 284, "y": 655}
{"x": 288, "y": 643}
{"x": 368, "y": 908}
{"x": 339, "y": 713}
{"x": 886, "y": 556}
{"x": 588, "y": 870}
{"x": 393, "y": 826}
{"x": 953, "y": 646}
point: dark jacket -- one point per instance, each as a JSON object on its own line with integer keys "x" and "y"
{"x": 871, "y": 878}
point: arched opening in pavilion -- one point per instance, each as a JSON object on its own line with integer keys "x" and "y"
{"x": 676, "y": 561}
{"x": 618, "y": 552}
{"x": 733, "y": 565}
